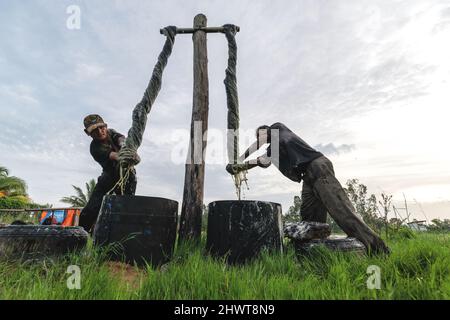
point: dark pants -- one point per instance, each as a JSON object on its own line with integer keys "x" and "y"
{"x": 323, "y": 193}
{"x": 105, "y": 183}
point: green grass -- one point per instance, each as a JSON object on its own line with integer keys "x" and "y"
{"x": 418, "y": 268}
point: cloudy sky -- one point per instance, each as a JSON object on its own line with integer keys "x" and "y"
{"x": 366, "y": 82}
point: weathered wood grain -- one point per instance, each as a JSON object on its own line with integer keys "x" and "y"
{"x": 191, "y": 210}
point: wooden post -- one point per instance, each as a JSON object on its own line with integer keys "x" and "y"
{"x": 191, "y": 210}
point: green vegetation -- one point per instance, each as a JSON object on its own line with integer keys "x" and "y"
{"x": 418, "y": 268}
{"x": 438, "y": 225}
{"x": 13, "y": 192}
{"x": 81, "y": 198}
{"x": 11, "y": 186}
{"x": 28, "y": 217}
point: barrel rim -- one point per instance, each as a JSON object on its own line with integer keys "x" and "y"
{"x": 135, "y": 196}
{"x": 244, "y": 201}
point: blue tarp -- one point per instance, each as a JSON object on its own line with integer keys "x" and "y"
{"x": 59, "y": 215}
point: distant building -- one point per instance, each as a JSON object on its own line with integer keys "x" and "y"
{"x": 417, "y": 225}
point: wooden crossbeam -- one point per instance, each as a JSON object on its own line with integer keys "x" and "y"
{"x": 204, "y": 29}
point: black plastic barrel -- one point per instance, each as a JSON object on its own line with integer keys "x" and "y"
{"x": 242, "y": 229}
{"x": 137, "y": 229}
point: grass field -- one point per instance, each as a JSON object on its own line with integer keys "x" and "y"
{"x": 418, "y": 268}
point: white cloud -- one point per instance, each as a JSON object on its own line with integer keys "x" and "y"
{"x": 88, "y": 71}
{"x": 19, "y": 94}
{"x": 330, "y": 148}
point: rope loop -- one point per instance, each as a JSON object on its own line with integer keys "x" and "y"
{"x": 128, "y": 157}
{"x": 230, "y": 28}
{"x": 230, "y": 82}
{"x": 170, "y": 32}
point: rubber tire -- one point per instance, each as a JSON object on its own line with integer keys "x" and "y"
{"x": 334, "y": 243}
{"x": 37, "y": 241}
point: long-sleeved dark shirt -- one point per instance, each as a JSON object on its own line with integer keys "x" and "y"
{"x": 294, "y": 153}
{"x": 101, "y": 151}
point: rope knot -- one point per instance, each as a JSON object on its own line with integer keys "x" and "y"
{"x": 230, "y": 28}
{"x": 128, "y": 157}
{"x": 170, "y": 31}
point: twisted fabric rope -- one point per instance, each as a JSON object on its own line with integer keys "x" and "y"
{"x": 127, "y": 154}
{"x": 233, "y": 108}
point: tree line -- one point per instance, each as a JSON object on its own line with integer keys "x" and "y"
{"x": 379, "y": 213}
{"x": 376, "y": 212}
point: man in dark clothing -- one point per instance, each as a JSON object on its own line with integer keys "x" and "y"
{"x": 321, "y": 191}
{"x": 105, "y": 145}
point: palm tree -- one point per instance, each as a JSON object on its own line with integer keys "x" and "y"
{"x": 81, "y": 198}
{"x": 11, "y": 186}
